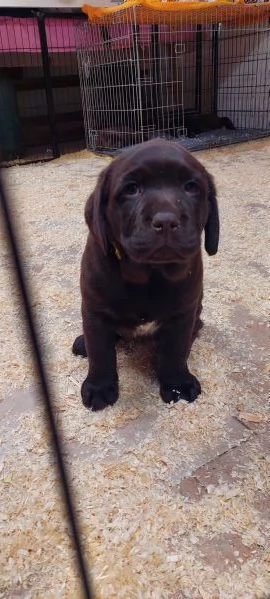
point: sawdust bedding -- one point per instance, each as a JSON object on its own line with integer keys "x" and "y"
{"x": 143, "y": 538}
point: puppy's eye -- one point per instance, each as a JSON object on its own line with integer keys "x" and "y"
{"x": 132, "y": 189}
{"x": 192, "y": 187}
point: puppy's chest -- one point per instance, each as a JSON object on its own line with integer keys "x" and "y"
{"x": 143, "y": 311}
{"x": 144, "y": 329}
{"x": 140, "y": 318}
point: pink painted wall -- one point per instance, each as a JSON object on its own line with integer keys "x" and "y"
{"x": 21, "y": 35}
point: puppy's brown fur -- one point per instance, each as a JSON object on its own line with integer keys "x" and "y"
{"x": 142, "y": 264}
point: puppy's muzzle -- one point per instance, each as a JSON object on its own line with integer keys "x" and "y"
{"x": 165, "y": 222}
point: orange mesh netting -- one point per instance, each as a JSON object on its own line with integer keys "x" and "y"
{"x": 237, "y": 13}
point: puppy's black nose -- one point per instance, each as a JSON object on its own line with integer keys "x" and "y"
{"x": 165, "y": 221}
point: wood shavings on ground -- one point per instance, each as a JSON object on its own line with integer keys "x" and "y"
{"x": 173, "y": 501}
{"x": 250, "y": 417}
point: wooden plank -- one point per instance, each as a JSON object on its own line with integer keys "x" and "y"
{"x": 42, "y": 119}
{"x": 33, "y": 83}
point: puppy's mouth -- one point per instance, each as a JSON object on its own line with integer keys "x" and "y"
{"x": 162, "y": 255}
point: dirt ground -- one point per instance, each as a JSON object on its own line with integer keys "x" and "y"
{"x": 174, "y": 501}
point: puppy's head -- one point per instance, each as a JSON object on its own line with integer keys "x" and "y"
{"x": 153, "y": 202}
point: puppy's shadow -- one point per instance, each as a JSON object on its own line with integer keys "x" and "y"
{"x": 139, "y": 355}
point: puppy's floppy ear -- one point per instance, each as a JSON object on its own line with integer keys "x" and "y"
{"x": 212, "y": 225}
{"x": 95, "y": 209}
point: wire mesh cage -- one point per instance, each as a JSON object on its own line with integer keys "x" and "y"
{"x": 158, "y": 69}
{"x": 40, "y": 99}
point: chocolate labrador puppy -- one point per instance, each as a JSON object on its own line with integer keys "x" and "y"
{"x": 142, "y": 265}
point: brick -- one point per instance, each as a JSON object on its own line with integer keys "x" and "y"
{"x": 183, "y": 594}
{"x": 262, "y": 505}
{"x": 232, "y": 466}
{"x": 261, "y": 428}
{"x": 190, "y": 488}
{"x": 20, "y": 401}
{"x": 136, "y": 431}
{"x": 226, "y": 551}
{"x": 234, "y": 433}
{"x": 226, "y": 468}
{"x": 125, "y": 438}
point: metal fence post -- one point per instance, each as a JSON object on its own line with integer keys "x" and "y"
{"x": 48, "y": 81}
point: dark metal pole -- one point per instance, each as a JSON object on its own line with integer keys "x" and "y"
{"x": 34, "y": 342}
{"x": 47, "y": 81}
{"x": 137, "y": 107}
{"x": 155, "y": 55}
{"x": 215, "y": 58}
{"x": 198, "y": 84}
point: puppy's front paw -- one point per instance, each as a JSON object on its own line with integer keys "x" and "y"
{"x": 188, "y": 389}
{"x": 99, "y": 396}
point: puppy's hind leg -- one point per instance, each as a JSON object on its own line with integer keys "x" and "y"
{"x": 78, "y": 347}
